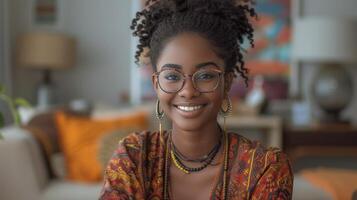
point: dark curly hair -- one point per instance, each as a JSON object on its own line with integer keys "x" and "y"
{"x": 225, "y": 23}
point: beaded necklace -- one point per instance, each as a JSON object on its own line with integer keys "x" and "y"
{"x": 225, "y": 169}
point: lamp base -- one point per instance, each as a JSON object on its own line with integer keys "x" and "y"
{"x": 45, "y": 96}
{"x": 332, "y": 91}
{"x": 335, "y": 118}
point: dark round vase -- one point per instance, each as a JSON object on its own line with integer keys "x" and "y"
{"x": 332, "y": 90}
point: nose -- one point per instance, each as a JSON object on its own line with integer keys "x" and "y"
{"x": 188, "y": 90}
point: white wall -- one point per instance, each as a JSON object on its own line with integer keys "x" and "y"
{"x": 4, "y": 45}
{"x": 23, "y": 81}
{"x": 2, "y": 49}
{"x": 2, "y": 41}
{"x": 102, "y": 28}
{"x": 331, "y": 8}
{"x": 4, "y": 56}
{"x": 103, "y": 64}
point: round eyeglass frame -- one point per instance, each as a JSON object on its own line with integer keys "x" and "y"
{"x": 186, "y": 76}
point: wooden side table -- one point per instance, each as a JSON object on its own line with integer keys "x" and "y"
{"x": 320, "y": 140}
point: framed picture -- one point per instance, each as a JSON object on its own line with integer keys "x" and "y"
{"x": 46, "y": 14}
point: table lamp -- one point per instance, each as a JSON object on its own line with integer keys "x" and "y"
{"x": 331, "y": 43}
{"x": 45, "y": 51}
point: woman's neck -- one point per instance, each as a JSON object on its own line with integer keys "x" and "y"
{"x": 196, "y": 143}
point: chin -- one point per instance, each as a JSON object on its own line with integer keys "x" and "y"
{"x": 188, "y": 125}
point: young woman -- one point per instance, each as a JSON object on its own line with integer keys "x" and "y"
{"x": 195, "y": 49}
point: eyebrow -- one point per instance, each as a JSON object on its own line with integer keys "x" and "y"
{"x": 198, "y": 66}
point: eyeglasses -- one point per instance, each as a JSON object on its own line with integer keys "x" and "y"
{"x": 204, "y": 80}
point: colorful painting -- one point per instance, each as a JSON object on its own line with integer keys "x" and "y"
{"x": 271, "y": 54}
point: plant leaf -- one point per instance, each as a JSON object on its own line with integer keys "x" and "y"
{"x": 22, "y": 102}
{"x": 2, "y": 89}
{"x": 2, "y": 120}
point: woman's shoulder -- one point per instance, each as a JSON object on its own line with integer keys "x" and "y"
{"x": 257, "y": 151}
{"x": 126, "y": 165}
{"x": 133, "y": 148}
{"x": 257, "y": 159}
{"x": 256, "y": 163}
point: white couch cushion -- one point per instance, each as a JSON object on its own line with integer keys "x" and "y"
{"x": 66, "y": 190}
{"x": 304, "y": 190}
{"x": 22, "y": 170}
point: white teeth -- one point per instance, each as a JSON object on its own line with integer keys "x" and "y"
{"x": 189, "y": 108}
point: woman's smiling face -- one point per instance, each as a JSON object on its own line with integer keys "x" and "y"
{"x": 190, "y": 109}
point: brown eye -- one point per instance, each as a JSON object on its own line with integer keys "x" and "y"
{"x": 205, "y": 76}
{"x": 172, "y": 77}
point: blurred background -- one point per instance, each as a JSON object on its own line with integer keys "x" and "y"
{"x": 72, "y": 61}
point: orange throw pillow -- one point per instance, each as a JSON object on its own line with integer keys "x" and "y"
{"x": 79, "y": 140}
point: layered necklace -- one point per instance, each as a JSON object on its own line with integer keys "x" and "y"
{"x": 178, "y": 158}
{"x": 172, "y": 153}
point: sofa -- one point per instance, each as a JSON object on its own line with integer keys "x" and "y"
{"x": 23, "y": 173}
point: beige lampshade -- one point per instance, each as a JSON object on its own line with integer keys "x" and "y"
{"x": 45, "y": 50}
{"x": 323, "y": 39}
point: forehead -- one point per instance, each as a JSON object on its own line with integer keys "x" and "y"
{"x": 188, "y": 50}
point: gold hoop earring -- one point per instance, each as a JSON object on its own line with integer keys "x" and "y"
{"x": 159, "y": 115}
{"x": 226, "y": 112}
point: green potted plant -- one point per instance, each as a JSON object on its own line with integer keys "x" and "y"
{"x": 13, "y": 103}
